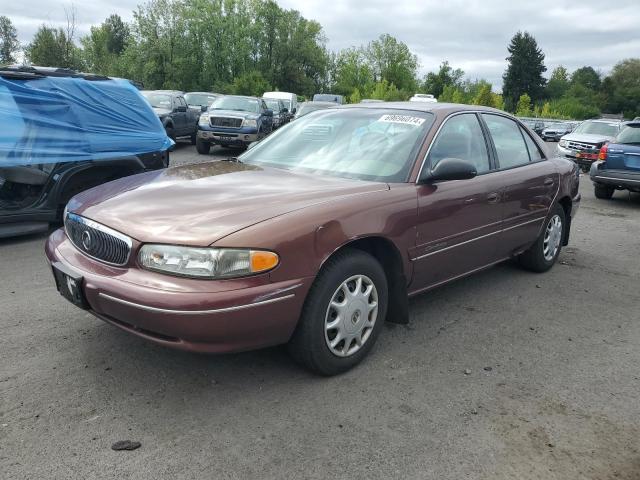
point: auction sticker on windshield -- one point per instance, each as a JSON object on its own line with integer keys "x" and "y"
{"x": 406, "y": 119}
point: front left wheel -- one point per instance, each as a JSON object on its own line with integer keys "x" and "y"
{"x": 342, "y": 315}
{"x": 202, "y": 147}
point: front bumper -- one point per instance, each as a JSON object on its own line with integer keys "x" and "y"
{"x": 224, "y": 136}
{"x": 619, "y": 179}
{"x": 236, "y": 315}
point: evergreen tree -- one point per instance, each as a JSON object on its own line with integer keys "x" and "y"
{"x": 524, "y": 71}
{"x": 8, "y": 41}
{"x": 558, "y": 83}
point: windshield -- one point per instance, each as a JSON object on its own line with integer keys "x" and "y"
{"x": 557, "y": 126}
{"x": 630, "y": 134}
{"x": 200, "y": 99}
{"x": 598, "y": 128}
{"x": 273, "y": 105}
{"x": 241, "y": 104}
{"x": 360, "y": 143}
{"x": 158, "y": 100}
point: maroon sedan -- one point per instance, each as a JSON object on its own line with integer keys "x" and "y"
{"x": 318, "y": 234}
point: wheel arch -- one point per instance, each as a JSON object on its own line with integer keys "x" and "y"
{"x": 388, "y": 255}
{"x": 566, "y": 204}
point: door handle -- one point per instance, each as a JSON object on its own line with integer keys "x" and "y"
{"x": 493, "y": 197}
{"x": 548, "y": 182}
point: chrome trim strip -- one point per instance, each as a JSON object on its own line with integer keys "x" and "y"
{"x": 103, "y": 228}
{"x": 617, "y": 179}
{"x": 194, "y": 312}
{"x": 476, "y": 238}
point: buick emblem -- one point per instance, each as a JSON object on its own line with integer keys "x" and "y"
{"x": 86, "y": 240}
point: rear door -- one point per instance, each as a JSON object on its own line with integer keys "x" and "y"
{"x": 530, "y": 183}
{"x": 458, "y": 220}
{"x": 182, "y": 126}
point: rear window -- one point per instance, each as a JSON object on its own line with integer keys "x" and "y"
{"x": 630, "y": 135}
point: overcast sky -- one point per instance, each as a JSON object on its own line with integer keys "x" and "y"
{"x": 471, "y": 34}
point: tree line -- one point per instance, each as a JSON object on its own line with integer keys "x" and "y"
{"x": 251, "y": 46}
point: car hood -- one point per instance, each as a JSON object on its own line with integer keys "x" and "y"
{"x": 587, "y": 138}
{"x": 161, "y": 111}
{"x": 232, "y": 113}
{"x": 201, "y": 203}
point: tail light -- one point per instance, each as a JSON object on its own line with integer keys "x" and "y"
{"x": 603, "y": 152}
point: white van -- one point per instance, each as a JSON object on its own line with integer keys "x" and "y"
{"x": 423, "y": 97}
{"x": 290, "y": 100}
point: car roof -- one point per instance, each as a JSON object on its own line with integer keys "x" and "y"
{"x": 204, "y": 93}
{"x": 441, "y": 108}
{"x": 30, "y": 72}
{"x": 603, "y": 120}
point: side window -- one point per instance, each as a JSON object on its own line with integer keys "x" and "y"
{"x": 461, "y": 137}
{"x": 182, "y": 102}
{"x": 263, "y": 105}
{"x": 508, "y": 141}
{"x": 534, "y": 151}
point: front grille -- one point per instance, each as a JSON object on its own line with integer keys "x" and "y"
{"x": 97, "y": 241}
{"x": 225, "y": 122}
{"x": 588, "y": 147}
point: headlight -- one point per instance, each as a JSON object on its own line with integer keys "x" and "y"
{"x": 206, "y": 262}
{"x": 204, "y": 119}
{"x": 247, "y": 122}
{"x": 563, "y": 143}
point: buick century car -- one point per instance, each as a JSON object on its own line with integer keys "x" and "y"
{"x": 319, "y": 233}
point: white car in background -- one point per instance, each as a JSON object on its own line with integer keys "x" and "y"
{"x": 423, "y": 97}
{"x": 290, "y": 100}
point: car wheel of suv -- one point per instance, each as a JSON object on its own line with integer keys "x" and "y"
{"x": 541, "y": 256}
{"x": 194, "y": 138}
{"x": 603, "y": 191}
{"x": 342, "y": 315}
{"x": 171, "y": 133}
{"x": 202, "y": 147}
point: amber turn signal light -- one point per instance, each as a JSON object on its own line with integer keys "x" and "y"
{"x": 262, "y": 261}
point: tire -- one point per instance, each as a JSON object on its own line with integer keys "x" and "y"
{"x": 543, "y": 254}
{"x": 171, "y": 133}
{"x": 309, "y": 345}
{"x": 194, "y": 138}
{"x": 603, "y": 191}
{"x": 202, "y": 147}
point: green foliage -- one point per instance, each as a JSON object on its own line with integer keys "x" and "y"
{"x": 54, "y": 47}
{"x": 251, "y": 83}
{"x": 498, "y": 101}
{"x": 446, "y": 76}
{"x": 484, "y": 96}
{"x": 9, "y": 44}
{"x": 386, "y": 91}
{"x": 623, "y": 88}
{"x": 355, "y": 97}
{"x": 586, "y": 77}
{"x": 524, "y": 71}
{"x": 352, "y": 71}
{"x": 391, "y": 60}
{"x": 523, "y": 108}
{"x": 558, "y": 82}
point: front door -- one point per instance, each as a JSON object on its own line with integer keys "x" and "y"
{"x": 459, "y": 220}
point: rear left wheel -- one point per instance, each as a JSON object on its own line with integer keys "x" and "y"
{"x": 541, "y": 256}
{"x": 342, "y": 315}
{"x": 603, "y": 192}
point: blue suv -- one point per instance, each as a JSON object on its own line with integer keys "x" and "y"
{"x": 618, "y": 165}
{"x": 233, "y": 121}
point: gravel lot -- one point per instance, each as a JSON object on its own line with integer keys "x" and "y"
{"x": 553, "y": 389}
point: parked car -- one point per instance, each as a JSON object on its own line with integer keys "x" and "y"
{"x": 535, "y": 125}
{"x": 584, "y": 143}
{"x": 200, "y": 100}
{"x": 290, "y": 101}
{"x": 234, "y": 121}
{"x": 62, "y": 132}
{"x": 371, "y": 100}
{"x": 328, "y": 97}
{"x": 618, "y": 164}
{"x": 308, "y": 107}
{"x": 171, "y": 108}
{"x": 319, "y": 233}
{"x": 280, "y": 112}
{"x": 423, "y": 97}
{"x": 555, "y": 131}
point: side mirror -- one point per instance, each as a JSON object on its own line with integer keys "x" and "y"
{"x": 181, "y": 108}
{"x": 204, "y": 108}
{"x": 451, "y": 169}
{"x": 268, "y": 112}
